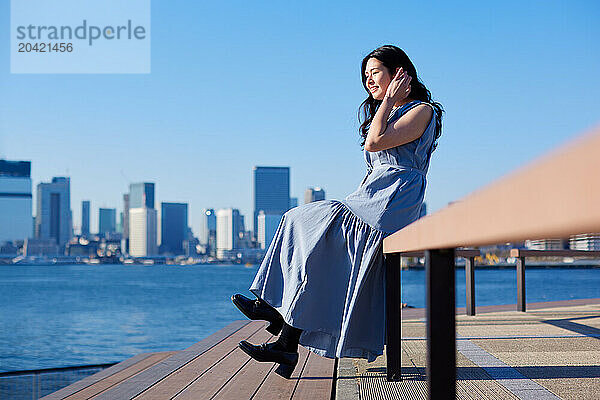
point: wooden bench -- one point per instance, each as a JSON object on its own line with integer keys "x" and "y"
{"x": 558, "y": 195}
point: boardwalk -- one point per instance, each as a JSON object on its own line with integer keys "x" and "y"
{"x": 550, "y": 352}
{"x": 214, "y": 368}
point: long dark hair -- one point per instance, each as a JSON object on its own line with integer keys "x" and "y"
{"x": 393, "y": 57}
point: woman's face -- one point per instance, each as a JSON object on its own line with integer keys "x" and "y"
{"x": 377, "y": 78}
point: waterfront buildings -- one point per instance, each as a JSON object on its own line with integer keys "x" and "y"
{"x": 53, "y": 211}
{"x": 40, "y": 247}
{"x": 588, "y": 241}
{"x": 545, "y": 244}
{"x": 85, "y": 218}
{"x": 208, "y": 231}
{"x": 229, "y": 227}
{"x": 142, "y": 229}
{"x": 141, "y": 195}
{"x": 142, "y": 232}
{"x": 15, "y": 200}
{"x": 107, "y": 221}
{"x": 313, "y": 194}
{"x": 271, "y": 192}
{"x": 125, "y": 239}
{"x": 173, "y": 227}
{"x": 267, "y": 226}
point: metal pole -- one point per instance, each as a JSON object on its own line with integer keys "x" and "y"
{"x": 392, "y": 316}
{"x": 441, "y": 324}
{"x": 521, "y": 303}
{"x": 470, "y": 284}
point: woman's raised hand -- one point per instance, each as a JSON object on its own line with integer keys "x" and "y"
{"x": 399, "y": 87}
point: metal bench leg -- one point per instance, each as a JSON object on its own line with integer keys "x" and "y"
{"x": 392, "y": 316}
{"x": 441, "y": 324}
{"x": 521, "y": 284}
{"x": 470, "y": 284}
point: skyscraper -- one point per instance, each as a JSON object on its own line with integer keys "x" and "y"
{"x": 267, "y": 226}
{"x": 208, "y": 222}
{"x": 125, "y": 238}
{"x": 141, "y": 195}
{"x": 271, "y": 191}
{"x": 142, "y": 220}
{"x": 173, "y": 227}
{"x": 85, "y": 218}
{"x": 107, "y": 221}
{"x": 228, "y": 231}
{"x": 120, "y": 223}
{"x": 142, "y": 232}
{"x": 53, "y": 214}
{"x": 15, "y": 200}
{"x": 208, "y": 231}
{"x": 313, "y": 194}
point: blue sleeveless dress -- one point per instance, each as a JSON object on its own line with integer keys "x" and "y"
{"x": 324, "y": 269}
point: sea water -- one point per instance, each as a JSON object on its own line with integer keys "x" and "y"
{"x": 69, "y": 315}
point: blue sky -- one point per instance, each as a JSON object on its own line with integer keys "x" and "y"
{"x": 238, "y": 84}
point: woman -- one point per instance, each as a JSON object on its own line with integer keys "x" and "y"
{"x": 322, "y": 279}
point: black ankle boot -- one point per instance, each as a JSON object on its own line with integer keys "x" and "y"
{"x": 259, "y": 310}
{"x": 288, "y": 341}
{"x": 289, "y": 338}
{"x": 272, "y": 352}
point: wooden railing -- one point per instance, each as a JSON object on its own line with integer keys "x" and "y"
{"x": 557, "y": 195}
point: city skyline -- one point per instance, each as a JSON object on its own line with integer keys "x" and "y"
{"x": 271, "y": 193}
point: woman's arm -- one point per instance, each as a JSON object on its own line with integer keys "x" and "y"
{"x": 379, "y": 124}
{"x": 405, "y": 129}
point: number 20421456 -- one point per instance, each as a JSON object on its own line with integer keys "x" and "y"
{"x": 26, "y": 47}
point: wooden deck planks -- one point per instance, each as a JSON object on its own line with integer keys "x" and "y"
{"x": 142, "y": 381}
{"x": 97, "y": 377}
{"x": 178, "y": 380}
{"x": 91, "y": 379}
{"x": 276, "y": 387}
{"x": 317, "y": 378}
{"x": 214, "y": 368}
{"x": 102, "y": 385}
{"x": 211, "y": 382}
{"x": 246, "y": 381}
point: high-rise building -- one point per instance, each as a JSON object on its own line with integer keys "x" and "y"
{"x": 15, "y": 200}
{"x": 141, "y": 195}
{"x": 53, "y": 214}
{"x": 267, "y": 226}
{"x": 173, "y": 227}
{"x": 85, "y": 218}
{"x": 208, "y": 223}
{"x": 228, "y": 231}
{"x": 120, "y": 223}
{"x": 107, "y": 221}
{"x": 142, "y": 232}
{"x": 208, "y": 231}
{"x": 271, "y": 191}
{"x": 125, "y": 239}
{"x": 313, "y": 194}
